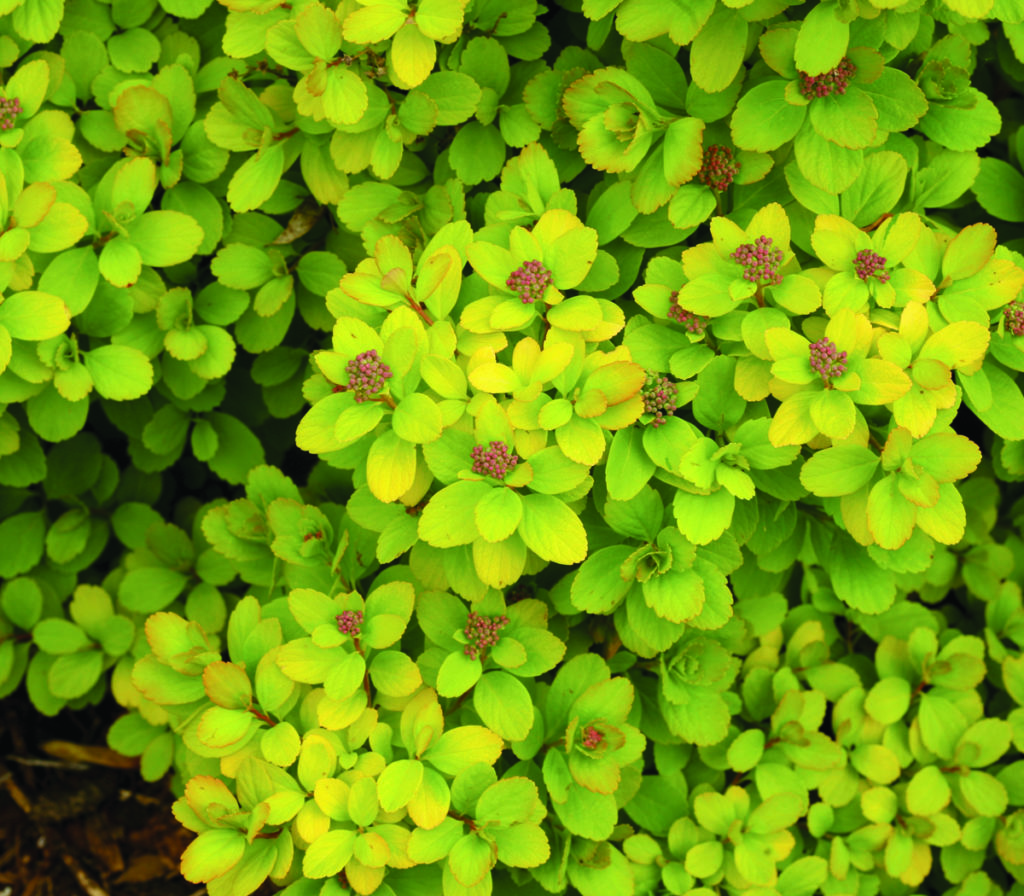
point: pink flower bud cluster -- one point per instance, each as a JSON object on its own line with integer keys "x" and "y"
{"x": 867, "y": 264}
{"x": 760, "y": 261}
{"x": 1013, "y": 314}
{"x": 659, "y": 396}
{"x": 694, "y": 323}
{"x": 827, "y": 360}
{"x": 592, "y": 738}
{"x": 366, "y": 374}
{"x": 349, "y": 622}
{"x": 718, "y": 168}
{"x": 529, "y": 281}
{"x": 834, "y": 81}
{"x": 494, "y": 461}
{"x": 9, "y": 110}
{"x": 482, "y": 632}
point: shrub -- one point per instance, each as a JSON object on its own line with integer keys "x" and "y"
{"x": 490, "y": 447}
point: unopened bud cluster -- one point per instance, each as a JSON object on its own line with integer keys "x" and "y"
{"x": 718, "y": 168}
{"x": 834, "y": 81}
{"x": 1013, "y": 314}
{"x": 349, "y": 622}
{"x": 868, "y": 264}
{"x": 366, "y": 375}
{"x": 494, "y": 461}
{"x": 760, "y": 261}
{"x": 529, "y": 281}
{"x": 827, "y": 360}
{"x": 592, "y": 738}
{"x": 694, "y": 323}
{"x": 482, "y": 632}
{"x": 9, "y": 110}
{"x": 659, "y": 396}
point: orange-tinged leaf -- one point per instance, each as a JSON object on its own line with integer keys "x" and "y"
{"x": 969, "y": 251}
{"x": 619, "y": 380}
{"x": 947, "y": 520}
{"x": 212, "y": 854}
{"x": 890, "y": 515}
{"x": 958, "y": 344}
{"x": 372, "y": 24}
{"x": 412, "y": 56}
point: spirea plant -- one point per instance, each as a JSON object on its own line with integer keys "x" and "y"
{"x": 501, "y": 447}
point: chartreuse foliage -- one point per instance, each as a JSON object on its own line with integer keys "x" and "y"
{"x": 492, "y": 447}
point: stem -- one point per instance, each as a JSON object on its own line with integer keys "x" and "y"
{"x": 464, "y": 819}
{"x": 877, "y": 223}
{"x": 262, "y": 717}
{"x": 418, "y": 308}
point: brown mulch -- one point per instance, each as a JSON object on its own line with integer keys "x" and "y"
{"x": 75, "y": 817}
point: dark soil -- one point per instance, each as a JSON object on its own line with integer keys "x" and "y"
{"x": 75, "y": 817}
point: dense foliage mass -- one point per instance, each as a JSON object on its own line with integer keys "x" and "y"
{"x": 489, "y": 447}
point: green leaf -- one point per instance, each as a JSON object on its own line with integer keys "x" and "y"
{"x": 460, "y": 748}
{"x": 398, "y": 783}
{"x": 717, "y": 51}
{"x": 510, "y": 801}
{"x": 165, "y": 238}
{"x": 394, "y": 674}
{"x": 888, "y": 700}
{"x": 477, "y": 153}
{"x": 458, "y": 673}
{"x": 238, "y": 449}
{"x": 826, "y": 165}
{"x": 962, "y": 127}
{"x": 504, "y": 705}
{"x": 22, "y": 536}
{"x": 999, "y": 188}
{"x": 848, "y": 119}
{"x": 857, "y": 579}
{"x": 522, "y": 846}
{"x": 839, "y": 470}
{"x": 74, "y": 675}
{"x": 876, "y": 190}
{"x": 471, "y": 859}
{"x": 449, "y": 519}
{"x": 256, "y": 179}
{"x": 119, "y": 372}
{"x": 149, "y": 589}
{"x": 212, "y": 854}
{"x": 329, "y": 854}
{"x": 22, "y": 602}
{"x": 219, "y": 727}
{"x": 227, "y": 685}
{"x": 280, "y": 744}
{"x": 552, "y": 531}
{"x": 37, "y": 21}
{"x": 822, "y": 40}
{"x": 703, "y": 518}
{"x": 1005, "y": 415}
{"x": 58, "y": 636}
{"x": 417, "y": 419}
{"x": 763, "y": 120}
{"x": 942, "y": 724}
{"x": 900, "y": 103}
{"x": 498, "y": 514}
{"x": 598, "y": 586}
{"x": 628, "y": 467}
{"x": 928, "y": 791}
{"x": 390, "y": 467}
{"x": 34, "y": 315}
